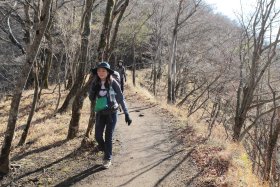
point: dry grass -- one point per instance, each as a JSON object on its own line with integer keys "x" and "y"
{"x": 240, "y": 171}
{"x": 46, "y": 127}
{"x": 46, "y": 158}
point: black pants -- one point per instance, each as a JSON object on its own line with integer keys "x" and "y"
{"x": 122, "y": 83}
{"x": 105, "y": 123}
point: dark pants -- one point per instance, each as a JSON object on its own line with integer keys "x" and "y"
{"x": 122, "y": 83}
{"x": 107, "y": 123}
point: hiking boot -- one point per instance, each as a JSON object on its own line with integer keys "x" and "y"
{"x": 107, "y": 164}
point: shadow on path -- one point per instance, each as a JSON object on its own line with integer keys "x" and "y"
{"x": 153, "y": 166}
{"x": 73, "y": 154}
{"x": 72, "y": 180}
{"x": 174, "y": 168}
{"x": 138, "y": 109}
{"x": 39, "y": 150}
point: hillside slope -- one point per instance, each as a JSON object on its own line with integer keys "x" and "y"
{"x": 156, "y": 150}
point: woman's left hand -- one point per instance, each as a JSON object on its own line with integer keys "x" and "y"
{"x": 128, "y": 120}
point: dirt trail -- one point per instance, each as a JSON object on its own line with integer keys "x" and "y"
{"x": 145, "y": 153}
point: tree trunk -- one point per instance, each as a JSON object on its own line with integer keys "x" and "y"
{"x": 172, "y": 68}
{"x": 154, "y": 73}
{"x": 76, "y": 110}
{"x": 171, "y": 97}
{"x": 106, "y": 46}
{"x": 58, "y": 81}
{"x": 156, "y": 65}
{"x": 105, "y": 33}
{"x": 49, "y": 59}
{"x": 116, "y": 28}
{"x": 30, "y": 81}
{"x": 80, "y": 75}
{"x": 133, "y": 63}
{"x": 91, "y": 120}
{"x": 47, "y": 67}
{"x": 174, "y": 72}
{"x": 68, "y": 84}
{"x": 33, "y": 107}
{"x": 69, "y": 97}
{"x": 31, "y": 54}
{"x": 82, "y": 91}
{"x": 258, "y": 53}
{"x": 270, "y": 149}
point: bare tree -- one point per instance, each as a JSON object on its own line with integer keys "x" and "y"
{"x": 158, "y": 23}
{"x": 31, "y": 54}
{"x": 49, "y": 57}
{"x": 118, "y": 12}
{"x": 81, "y": 93}
{"x": 256, "y": 55}
{"x": 7, "y": 14}
{"x": 190, "y": 8}
{"x": 114, "y": 9}
{"x": 33, "y": 107}
{"x": 274, "y": 131}
{"x": 106, "y": 31}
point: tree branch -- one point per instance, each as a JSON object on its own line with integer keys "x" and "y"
{"x": 254, "y": 122}
{"x": 12, "y": 37}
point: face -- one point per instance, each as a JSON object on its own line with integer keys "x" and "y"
{"x": 102, "y": 73}
{"x": 120, "y": 64}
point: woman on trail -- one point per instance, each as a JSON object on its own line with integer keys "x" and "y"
{"x": 107, "y": 94}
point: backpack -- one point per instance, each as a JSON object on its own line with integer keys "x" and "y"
{"x": 117, "y": 77}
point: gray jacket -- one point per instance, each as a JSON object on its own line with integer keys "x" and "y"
{"x": 118, "y": 94}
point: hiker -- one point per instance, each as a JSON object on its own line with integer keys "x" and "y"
{"x": 121, "y": 69}
{"x": 107, "y": 95}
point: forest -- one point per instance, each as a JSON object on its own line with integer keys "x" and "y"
{"x": 222, "y": 71}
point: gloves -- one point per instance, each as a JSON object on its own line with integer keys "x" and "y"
{"x": 127, "y": 119}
